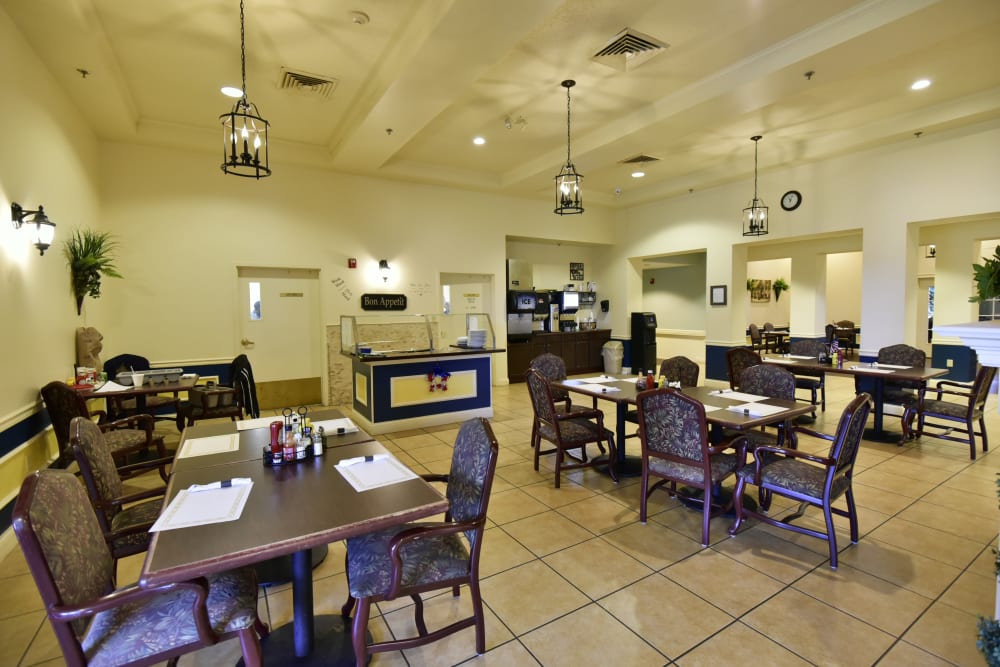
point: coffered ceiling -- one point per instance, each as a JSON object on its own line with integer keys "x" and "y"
{"x": 415, "y": 80}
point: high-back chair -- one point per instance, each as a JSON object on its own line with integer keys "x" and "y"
{"x": 412, "y": 559}
{"x": 122, "y": 408}
{"x": 566, "y": 431}
{"x": 674, "y": 369}
{"x": 123, "y": 437}
{"x": 774, "y": 382}
{"x": 898, "y": 392}
{"x": 810, "y": 479}
{"x": 94, "y": 623}
{"x": 847, "y": 336}
{"x": 756, "y": 339}
{"x": 554, "y": 369}
{"x": 737, "y": 360}
{"x": 966, "y": 407}
{"x": 676, "y": 449}
{"x": 124, "y": 518}
{"x": 221, "y": 401}
{"x": 815, "y": 383}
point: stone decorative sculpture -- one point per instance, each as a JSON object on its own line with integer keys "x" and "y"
{"x": 88, "y": 347}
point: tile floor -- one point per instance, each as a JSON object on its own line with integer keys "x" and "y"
{"x": 570, "y": 576}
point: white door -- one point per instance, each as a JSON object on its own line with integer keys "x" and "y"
{"x": 280, "y": 329}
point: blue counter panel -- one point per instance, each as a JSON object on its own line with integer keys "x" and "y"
{"x": 382, "y": 395}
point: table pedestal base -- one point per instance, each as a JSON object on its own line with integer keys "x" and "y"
{"x": 889, "y": 437}
{"x": 630, "y": 467}
{"x": 332, "y": 644}
{"x": 279, "y": 570}
{"x": 691, "y": 498}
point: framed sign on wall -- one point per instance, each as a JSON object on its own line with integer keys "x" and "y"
{"x": 717, "y": 295}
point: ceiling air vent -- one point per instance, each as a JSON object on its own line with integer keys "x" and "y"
{"x": 641, "y": 158}
{"x": 314, "y": 85}
{"x": 629, "y": 49}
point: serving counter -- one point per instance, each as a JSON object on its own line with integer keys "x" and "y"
{"x": 580, "y": 350}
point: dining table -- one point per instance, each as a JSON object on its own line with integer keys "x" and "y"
{"x": 622, "y": 391}
{"x": 113, "y": 392}
{"x": 289, "y": 510}
{"x": 877, "y": 373}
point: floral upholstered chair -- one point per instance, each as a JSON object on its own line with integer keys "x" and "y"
{"x": 814, "y": 382}
{"x": 810, "y": 479}
{"x": 960, "y": 415}
{"x": 126, "y": 529}
{"x": 97, "y": 624}
{"x": 567, "y": 431}
{"x": 675, "y": 369}
{"x": 123, "y": 437}
{"x": 897, "y": 392}
{"x": 416, "y": 558}
{"x": 738, "y": 359}
{"x": 773, "y": 382}
{"x": 676, "y": 449}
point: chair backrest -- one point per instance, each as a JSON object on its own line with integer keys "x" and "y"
{"x": 831, "y": 333}
{"x": 808, "y": 348}
{"x": 754, "y": 333}
{"x": 981, "y": 388}
{"x": 125, "y": 362}
{"x": 737, "y": 360}
{"x": 768, "y": 380}
{"x": 554, "y": 369}
{"x": 241, "y": 375}
{"x": 902, "y": 355}
{"x": 473, "y": 463}
{"x": 63, "y": 546}
{"x": 850, "y": 430}
{"x": 845, "y": 324}
{"x": 62, "y": 404}
{"x": 97, "y": 467}
{"x": 541, "y": 396}
{"x": 768, "y": 326}
{"x": 680, "y": 369}
{"x": 673, "y": 426}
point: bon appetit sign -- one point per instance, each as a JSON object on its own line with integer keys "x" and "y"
{"x": 383, "y": 302}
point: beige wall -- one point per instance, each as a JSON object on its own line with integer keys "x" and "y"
{"x": 775, "y": 311}
{"x": 843, "y": 286}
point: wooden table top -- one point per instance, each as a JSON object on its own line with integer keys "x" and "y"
{"x": 290, "y": 508}
{"x": 859, "y": 368}
{"x": 184, "y": 384}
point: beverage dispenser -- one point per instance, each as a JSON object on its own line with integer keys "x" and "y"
{"x": 644, "y": 342}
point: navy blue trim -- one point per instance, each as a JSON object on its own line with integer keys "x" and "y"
{"x": 381, "y": 394}
{"x": 964, "y": 360}
{"x": 715, "y": 361}
{"x": 23, "y": 431}
{"x": 7, "y": 515}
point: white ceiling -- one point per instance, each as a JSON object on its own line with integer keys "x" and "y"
{"x": 438, "y": 72}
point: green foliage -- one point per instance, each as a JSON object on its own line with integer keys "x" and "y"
{"x": 780, "y": 285}
{"x": 90, "y": 256}
{"x": 987, "y": 277}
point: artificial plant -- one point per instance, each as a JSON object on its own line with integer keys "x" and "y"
{"x": 90, "y": 256}
{"x": 987, "y": 276}
{"x": 779, "y": 286}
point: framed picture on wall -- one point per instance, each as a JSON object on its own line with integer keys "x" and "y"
{"x": 576, "y": 270}
{"x": 717, "y": 295}
{"x": 760, "y": 291}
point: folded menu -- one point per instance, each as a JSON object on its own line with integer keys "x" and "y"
{"x": 596, "y": 379}
{"x": 110, "y": 387}
{"x": 737, "y": 396}
{"x": 371, "y": 472}
{"x": 213, "y": 444}
{"x": 333, "y": 425}
{"x": 259, "y": 422}
{"x": 756, "y": 409}
{"x": 197, "y": 506}
{"x": 873, "y": 369}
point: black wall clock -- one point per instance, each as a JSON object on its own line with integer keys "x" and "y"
{"x": 791, "y": 200}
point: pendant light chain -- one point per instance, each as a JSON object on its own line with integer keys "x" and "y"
{"x": 568, "y": 161}
{"x": 243, "y": 53}
{"x": 756, "y": 141}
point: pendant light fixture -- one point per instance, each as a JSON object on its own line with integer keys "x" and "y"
{"x": 755, "y": 215}
{"x": 569, "y": 194}
{"x": 244, "y": 132}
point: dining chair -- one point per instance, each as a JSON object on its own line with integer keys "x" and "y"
{"x": 96, "y": 623}
{"x": 676, "y": 449}
{"x": 809, "y": 479}
{"x": 756, "y": 338}
{"x": 673, "y": 369}
{"x": 814, "y": 382}
{"x": 966, "y": 408}
{"x": 124, "y": 519}
{"x": 847, "y": 337}
{"x": 411, "y": 559}
{"x": 566, "y": 431}
{"x": 123, "y": 437}
{"x": 554, "y": 369}
{"x": 738, "y": 359}
{"x": 220, "y": 401}
{"x": 118, "y": 408}
{"x": 897, "y": 392}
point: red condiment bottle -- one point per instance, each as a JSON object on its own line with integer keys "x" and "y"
{"x": 276, "y": 430}
{"x": 650, "y": 380}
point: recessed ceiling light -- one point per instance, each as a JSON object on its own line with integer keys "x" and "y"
{"x": 479, "y": 141}
{"x": 920, "y": 84}
{"x": 232, "y": 91}
{"x": 638, "y": 174}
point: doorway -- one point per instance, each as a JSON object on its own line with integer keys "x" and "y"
{"x": 280, "y": 332}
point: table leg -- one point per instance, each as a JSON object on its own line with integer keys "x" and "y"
{"x": 878, "y": 432}
{"x": 302, "y": 602}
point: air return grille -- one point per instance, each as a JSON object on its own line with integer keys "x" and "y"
{"x": 629, "y": 49}
{"x": 314, "y": 85}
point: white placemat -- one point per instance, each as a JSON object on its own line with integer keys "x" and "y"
{"x": 737, "y": 396}
{"x": 213, "y": 444}
{"x": 757, "y": 409}
{"x": 259, "y": 422}
{"x": 381, "y": 470}
{"x": 331, "y": 425}
{"x": 203, "y": 507}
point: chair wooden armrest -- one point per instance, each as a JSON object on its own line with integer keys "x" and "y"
{"x": 795, "y": 430}
{"x": 134, "y": 468}
{"x": 135, "y": 593}
{"x": 416, "y": 532}
{"x": 582, "y": 414}
{"x": 435, "y": 477}
{"x": 790, "y": 453}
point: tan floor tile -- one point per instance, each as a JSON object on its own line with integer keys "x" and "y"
{"x": 44, "y": 645}
{"x": 578, "y": 638}
{"x": 436, "y": 456}
{"x": 930, "y": 542}
{"x": 438, "y": 613}
{"x": 875, "y": 601}
{"x": 887, "y": 481}
{"x": 917, "y": 573}
{"x": 904, "y": 654}
{"x": 947, "y": 633}
{"x": 653, "y": 544}
{"x": 667, "y": 615}
{"x": 687, "y": 522}
{"x": 511, "y": 654}
{"x": 771, "y": 555}
{"x": 596, "y": 567}
{"x": 20, "y": 596}
{"x": 501, "y": 552}
{"x": 880, "y": 500}
{"x": 522, "y": 474}
{"x": 935, "y": 471}
{"x": 17, "y": 633}
{"x": 507, "y": 506}
{"x": 719, "y": 650}
{"x": 964, "y": 525}
{"x": 964, "y": 500}
{"x": 972, "y": 593}
{"x": 547, "y": 533}
{"x": 599, "y": 514}
{"x": 804, "y": 626}
{"x": 514, "y": 596}
{"x": 566, "y": 494}
{"x": 729, "y": 585}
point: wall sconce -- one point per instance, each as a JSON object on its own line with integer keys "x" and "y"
{"x": 383, "y": 267}
{"x": 43, "y": 230}
{"x": 931, "y": 251}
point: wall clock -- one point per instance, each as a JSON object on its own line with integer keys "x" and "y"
{"x": 791, "y": 200}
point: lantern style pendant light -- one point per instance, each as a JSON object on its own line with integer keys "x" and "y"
{"x": 244, "y": 132}
{"x": 755, "y": 215}
{"x": 569, "y": 194}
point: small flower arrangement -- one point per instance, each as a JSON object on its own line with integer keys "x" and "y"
{"x": 437, "y": 379}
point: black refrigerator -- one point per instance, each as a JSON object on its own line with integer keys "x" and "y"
{"x": 644, "y": 342}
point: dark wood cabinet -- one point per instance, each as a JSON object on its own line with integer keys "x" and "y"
{"x": 580, "y": 350}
